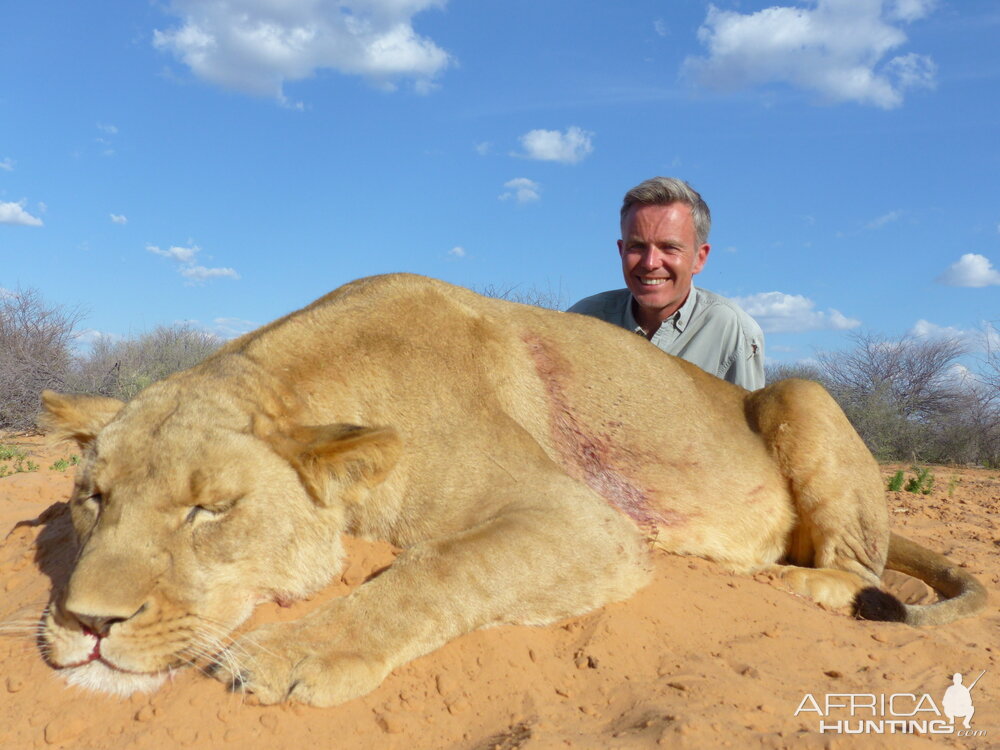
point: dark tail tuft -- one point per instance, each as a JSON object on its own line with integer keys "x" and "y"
{"x": 874, "y": 604}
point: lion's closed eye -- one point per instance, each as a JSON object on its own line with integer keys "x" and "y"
{"x": 91, "y": 504}
{"x": 199, "y": 513}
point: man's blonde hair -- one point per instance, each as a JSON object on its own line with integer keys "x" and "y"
{"x": 660, "y": 191}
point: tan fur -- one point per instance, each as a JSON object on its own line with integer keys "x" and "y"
{"x": 523, "y": 458}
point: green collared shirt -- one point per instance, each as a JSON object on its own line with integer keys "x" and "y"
{"x": 708, "y": 330}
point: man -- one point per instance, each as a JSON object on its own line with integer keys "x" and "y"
{"x": 664, "y": 225}
{"x": 957, "y": 701}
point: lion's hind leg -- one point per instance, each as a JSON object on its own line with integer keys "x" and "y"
{"x": 842, "y": 529}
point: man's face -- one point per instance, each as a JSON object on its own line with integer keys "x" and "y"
{"x": 660, "y": 255}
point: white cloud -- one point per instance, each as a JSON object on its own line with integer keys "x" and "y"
{"x": 884, "y": 219}
{"x": 975, "y": 340}
{"x": 90, "y": 336}
{"x": 483, "y": 148}
{"x": 107, "y": 143}
{"x": 199, "y": 274}
{"x": 457, "y": 252}
{"x": 912, "y": 71}
{"x": 551, "y": 145}
{"x": 7, "y": 164}
{"x": 660, "y": 27}
{"x": 256, "y": 46}
{"x": 777, "y": 312}
{"x": 522, "y": 190}
{"x": 14, "y": 213}
{"x": 180, "y": 254}
{"x": 185, "y": 257}
{"x": 229, "y": 328}
{"x": 835, "y": 48}
{"x": 972, "y": 270}
{"x": 910, "y": 10}
{"x": 962, "y": 376}
{"x": 119, "y": 219}
{"x": 924, "y": 329}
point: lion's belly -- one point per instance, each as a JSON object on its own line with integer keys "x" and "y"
{"x": 696, "y": 502}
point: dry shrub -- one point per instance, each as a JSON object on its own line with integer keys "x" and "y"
{"x": 35, "y": 353}
{"x": 123, "y": 367}
{"x": 775, "y": 371}
{"x": 549, "y": 298}
{"x": 909, "y": 400}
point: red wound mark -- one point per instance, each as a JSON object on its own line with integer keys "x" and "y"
{"x": 587, "y": 456}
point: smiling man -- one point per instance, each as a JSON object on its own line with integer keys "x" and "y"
{"x": 665, "y": 224}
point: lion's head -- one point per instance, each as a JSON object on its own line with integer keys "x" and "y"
{"x": 188, "y": 512}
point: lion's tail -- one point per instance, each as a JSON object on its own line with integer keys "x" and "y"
{"x": 964, "y": 595}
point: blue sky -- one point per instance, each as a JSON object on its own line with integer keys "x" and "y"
{"x": 226, "y": 161}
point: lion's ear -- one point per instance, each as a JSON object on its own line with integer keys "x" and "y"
{"x": 353, "y": 457}
{"x": 79, "y": 418}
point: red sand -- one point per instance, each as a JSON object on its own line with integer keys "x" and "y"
{"x": 701, "y": 659}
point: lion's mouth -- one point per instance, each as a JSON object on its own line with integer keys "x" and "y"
{"x": 97, "y": 672}
{"x": 95, "y": 655}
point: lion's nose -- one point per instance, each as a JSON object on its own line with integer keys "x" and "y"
{"x": 99, "y": 625}
{"x": 95, "y": 624}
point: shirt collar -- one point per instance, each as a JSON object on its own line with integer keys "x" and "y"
{"x": 679, "y": 319}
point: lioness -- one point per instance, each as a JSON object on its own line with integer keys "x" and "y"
{"x": 524, "y": 458}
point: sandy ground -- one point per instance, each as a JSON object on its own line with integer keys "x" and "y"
{"x": 701, "y": 658}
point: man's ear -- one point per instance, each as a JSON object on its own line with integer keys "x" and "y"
{"x": 355, "y": 458}
{"x": 79, "y": 418}
{"x": 701, "y": 255}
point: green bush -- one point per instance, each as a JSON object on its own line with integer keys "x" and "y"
{"x": 921, "y": 483}
{"x": 896, "y": 482}
{"x": 64, "y": 463}
{"x": 14, "y": 460}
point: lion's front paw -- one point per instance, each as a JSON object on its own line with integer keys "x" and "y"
{"x": 277, "y": 664}
{"x": 261, "y": 662}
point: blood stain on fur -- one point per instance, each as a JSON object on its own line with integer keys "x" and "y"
{"x": 586, "y": 456}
